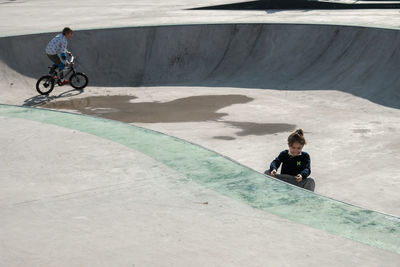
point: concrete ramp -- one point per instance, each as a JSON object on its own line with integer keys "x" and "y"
{"x": 360, "y": 61}
{"x": 161, "y": 201}
{"x": 147, "y": 193}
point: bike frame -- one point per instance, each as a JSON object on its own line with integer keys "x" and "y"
{"x": 67, "y": 70}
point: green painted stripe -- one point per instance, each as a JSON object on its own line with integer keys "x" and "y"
{"x": 234, "y": 180}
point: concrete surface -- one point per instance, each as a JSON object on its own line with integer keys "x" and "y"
{"x": 338, "y": 83}
{"x": 26, "y": 17}
{"x": 160, "y": 211}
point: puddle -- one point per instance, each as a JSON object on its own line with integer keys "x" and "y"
{"x": 251, "y": 128}
{"x": 227, "y": 138}
{"x": 188, "y": 109}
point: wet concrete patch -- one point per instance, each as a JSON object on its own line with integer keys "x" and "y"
{"x": 227, "y": 138}
{"x": 252, "y": 128}
{"x": 120, "y": 108}
{"x": 188, "y": 109}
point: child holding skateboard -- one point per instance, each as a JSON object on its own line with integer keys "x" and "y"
{"x": 296, "y": 164}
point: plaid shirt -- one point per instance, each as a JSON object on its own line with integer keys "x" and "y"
{"x": 57, "y": 45}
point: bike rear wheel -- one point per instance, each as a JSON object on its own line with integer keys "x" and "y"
{"x": 79, "y": 80}
{"x": 45, "y": 85}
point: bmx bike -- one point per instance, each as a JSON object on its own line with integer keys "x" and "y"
{"x": 46, "y": 83}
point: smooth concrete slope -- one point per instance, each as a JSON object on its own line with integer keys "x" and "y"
{"x": 279, "y": 57}
{"x": 360, "y": 61}
{"x": 353, "y": 142}
{"x": 150, "y": 203}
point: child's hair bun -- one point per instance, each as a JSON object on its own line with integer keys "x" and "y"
{"x": 297, "y": 136}
{"x": 300, "y": 132}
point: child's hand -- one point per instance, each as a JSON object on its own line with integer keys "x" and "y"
{"x": 273, "y": 173}
{"x": 299, "y": 177}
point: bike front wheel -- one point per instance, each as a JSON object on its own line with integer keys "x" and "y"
{"x": 45, "y": 85}
{"x": 79, "y": 80}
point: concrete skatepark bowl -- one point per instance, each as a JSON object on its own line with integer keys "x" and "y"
{"x": 81, "y": 190}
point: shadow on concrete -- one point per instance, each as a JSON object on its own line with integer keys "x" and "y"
{"x": 41, "y": 100}
{"x": 302, "y": 4}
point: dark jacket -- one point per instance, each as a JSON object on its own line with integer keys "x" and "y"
{"x": 292, "y": 165}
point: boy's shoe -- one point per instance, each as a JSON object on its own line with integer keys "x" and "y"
{"x": 64, "y": 82}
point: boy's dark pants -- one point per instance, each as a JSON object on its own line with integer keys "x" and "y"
{"x": 57, "y": 61}
{"x": 307, "y": 183}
